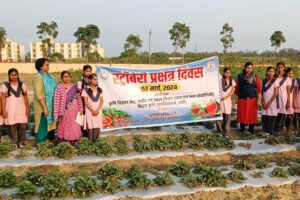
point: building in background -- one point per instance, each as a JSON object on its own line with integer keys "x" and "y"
{"x": 12, "y": 52}
{"x": 68, "y": 50}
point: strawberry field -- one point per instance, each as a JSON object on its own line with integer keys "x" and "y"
{"x": 173, "y": 162}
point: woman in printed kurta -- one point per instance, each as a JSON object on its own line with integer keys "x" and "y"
{"x": 93, "y": 108}
{"x": 248, "y": 90}
{"x": 290, "y": 111}
{"x": 227, "y": 90}
{"x": 269, "y": 105}
{"x": 15, "y": 107}
{"x": 67, "y": 104}
{"x": 283, "y": 97}
{"x": 296, "y": 106}
{"x": 43, "y": 87}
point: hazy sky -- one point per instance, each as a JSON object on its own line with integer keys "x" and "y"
{"x": 253, "y": 21}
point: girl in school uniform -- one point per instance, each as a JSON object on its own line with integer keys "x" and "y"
{"x": 84, "y": 80}
{"x": 269, "y": 105}
{"x": 15, "y": 107}
{"x": 297, "y": 106}
{"x": 1, "y": 118}
{"x": 227, "y": 90}
{"x": 283, "y": 97}
{"x": 248, "y": 90}
{"x": 93, "y": 108}
{"x": 290, "y": 111}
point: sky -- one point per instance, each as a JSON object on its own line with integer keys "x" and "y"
{"x": 253, "y": 21}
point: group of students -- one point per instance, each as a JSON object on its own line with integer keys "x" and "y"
{"x": 58, "y": 106}
{"x": 278, "y": 95}
{"x": 55, "y": 106}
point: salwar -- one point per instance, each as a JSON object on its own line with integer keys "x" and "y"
{"x": 297, "y": 123}
{"x": 93, "y": 134}
{"x": 243, "y": 127}
{"x": 42, "y": 135}
{"x": 223, "y": 126}
{"x": 280, "y": 121}
{"x": 289, "y": 122}
{"x": 268, "y": 123}
{"x": 17, "y": 133}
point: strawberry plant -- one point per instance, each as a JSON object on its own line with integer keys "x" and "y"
{"x": 64, "y": 150}
{"x": 294, "y": 170}
{"x": 236, "y": 176}
{"x": 159, "y": 144}
{"x": 186, "y": 138}
{"x": 290, "y": 139}
{"x": 45, "y": 149}
{"x": 180, "y": 169}
{"x": 56, "y": 186}
{"x": 84, "y": 146}
{"x": 257, "y": 174}
{"x": 246, "y": 135}
{"x": 84, "y": 186}
{"x": 196, "y": 142}
{"x": 7, "y": 178}
{"x": 273, "y": 140}
{"x": 174, "y": 141}
{"x": 243, "y": 165}
{"x": 211, "y": 176}
{"x": 132, "y": 171}
{"x": 217, "y": 141}
{"x": 164, "y": 179}
{"x": 139, "y": 181}
{"x": 190, "y": 181}
{"x": 297, "y": 160}
{"x": 139, "y": 145}
{"x": 109, "y": 170}
{"x": 279, "y": 172}
{"x": 26, "y": 190}
{"x": 283, "y": 163}
{"x": 121, "y": 146}
{"x": 261, "y": 164}
{"x": 103, "y": 148}
{"x": 5, "y": 147}
{"x": 112, "y": 185}
{"x": 24, "y": 151}
{"x": 35, "y": 177}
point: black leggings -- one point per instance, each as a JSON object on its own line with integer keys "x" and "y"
{"x": 243, "y": 126}
{"x": 93, "y": 134}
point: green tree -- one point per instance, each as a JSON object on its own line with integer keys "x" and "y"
{"x": 56, "y": 56}
{"x": 180, "y": 35}
{"x": 2, "y": 40}
{"x": 47, "y": 33}
{"x": 277, "y": 38}
{"x": 87, "y": 36}
{"x": 227, "y": 38}
{"x": 131, "y": 46}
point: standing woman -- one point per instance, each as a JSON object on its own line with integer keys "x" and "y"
{"x": 248, "y": 90}
{"x": 297, "y": 106}
{"x": 290, "y": 111}
{"x": 15, "y": 107}
{"x": 67, "y": 104}
{"x": 283, "y": 97}
{"x": 43, "y": 87}
{"x": 227, "y": 90}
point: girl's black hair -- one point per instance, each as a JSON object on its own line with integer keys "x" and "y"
{"x": 11, "y": 70}
{"x": 90, "y": 91}
{"x": 246, "y": 65}
{"x": 230, "y": 78}
{"x": 287, "y": 70}
{"x": 63, "y": 73}
{"x": 39, "y": 63}
{"x": 276, "y": 71}
{"x": 266, "y": 78}
{"x": 85, "y": 67}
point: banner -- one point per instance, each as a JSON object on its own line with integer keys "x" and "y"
{"x": 155, "y": 97}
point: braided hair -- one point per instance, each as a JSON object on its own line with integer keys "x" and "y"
{"x": 11, "y": 70}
